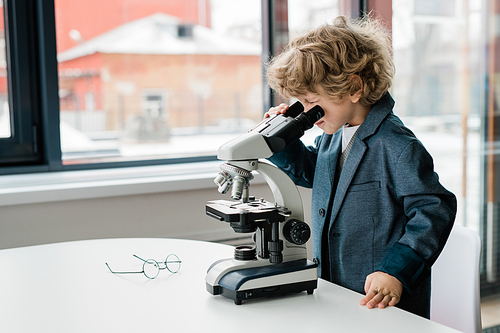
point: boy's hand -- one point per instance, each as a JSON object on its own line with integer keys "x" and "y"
{"x": 381, "y": 290}
{"x": 280, "y": 109}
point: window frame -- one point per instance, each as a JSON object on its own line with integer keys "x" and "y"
{"x": 23, "y": 146}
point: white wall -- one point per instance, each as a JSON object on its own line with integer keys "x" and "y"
{"x": 176, "y": 214}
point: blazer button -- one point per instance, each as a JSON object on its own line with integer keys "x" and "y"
{"x": 321, "y": 212}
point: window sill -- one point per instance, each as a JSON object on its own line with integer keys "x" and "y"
{"x": 91, "y": 184}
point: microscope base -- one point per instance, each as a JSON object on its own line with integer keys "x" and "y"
{"x": 239, "y": 296}
{"x": 276, "y": 279}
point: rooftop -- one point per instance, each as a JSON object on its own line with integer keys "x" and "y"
{"x": 162, "y": 34}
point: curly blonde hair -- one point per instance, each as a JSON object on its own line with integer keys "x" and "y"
{"x": 335, "y": 57}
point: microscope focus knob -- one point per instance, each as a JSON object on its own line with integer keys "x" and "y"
{"x": 296, "y": 232}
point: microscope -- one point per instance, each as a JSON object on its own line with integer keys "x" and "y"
{"x": 277, "y": 263}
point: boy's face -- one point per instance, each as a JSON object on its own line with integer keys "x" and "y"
{"x": 337, "y": 113}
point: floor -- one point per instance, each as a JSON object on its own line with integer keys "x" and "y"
{"x": 490, "y": 312}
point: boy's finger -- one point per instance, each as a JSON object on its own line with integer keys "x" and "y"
{"x": 367, "y": 298}
{"x": 375, "y": 301}
{"x": 385, "y": 302}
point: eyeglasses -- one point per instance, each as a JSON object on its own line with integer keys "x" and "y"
{"x": 151, "y": 268}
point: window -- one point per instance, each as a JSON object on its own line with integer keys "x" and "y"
{"x": 137, "y": 80}
{"x": 189, "y": 73}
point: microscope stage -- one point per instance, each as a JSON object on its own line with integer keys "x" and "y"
{"x": 232, "y": 211}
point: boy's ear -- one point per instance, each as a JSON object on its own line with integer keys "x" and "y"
{"x": 357, "y": 86}
{"x": 356, "y": 96}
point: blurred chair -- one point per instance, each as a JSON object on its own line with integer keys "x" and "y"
{"x": 455, "y": 300}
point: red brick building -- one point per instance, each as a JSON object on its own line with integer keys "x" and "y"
{"x": 161, "y": 69}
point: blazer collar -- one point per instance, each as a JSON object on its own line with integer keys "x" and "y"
{"x": 377, "y": 114}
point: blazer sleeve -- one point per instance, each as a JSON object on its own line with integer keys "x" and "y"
{"x": 430, "y": 213}
{"x": 298, "y": 161}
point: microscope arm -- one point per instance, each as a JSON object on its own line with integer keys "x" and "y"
{"x": 284, "y": 190}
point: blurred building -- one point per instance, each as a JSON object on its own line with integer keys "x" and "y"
{"x": 142, "y": 78}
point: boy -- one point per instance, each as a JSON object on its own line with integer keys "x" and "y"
{"x": 380, "y": 217}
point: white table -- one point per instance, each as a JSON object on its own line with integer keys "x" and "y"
{"x": 66, "y": 287}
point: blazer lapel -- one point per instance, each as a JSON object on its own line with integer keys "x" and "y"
{"x": 335, "y": 148}
{"x": 351, "y": 165}
{"x": 325, "y": 173}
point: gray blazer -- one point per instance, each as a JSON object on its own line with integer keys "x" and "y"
{"x": 388, "y": 213}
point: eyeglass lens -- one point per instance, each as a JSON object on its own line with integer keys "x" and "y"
{"x": 173, "y": 263}
{"x": 151, "y": 268}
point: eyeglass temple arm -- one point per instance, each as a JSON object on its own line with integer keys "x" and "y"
{"x": 165, "y": 262}
{"x": 114, "y": 272}
{"x": 139, "y": 258}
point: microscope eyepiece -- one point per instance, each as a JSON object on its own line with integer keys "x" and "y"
{"x": 309, "y": 118}
{"x": 294, "y": 110}
{"x": 284, "y": 129}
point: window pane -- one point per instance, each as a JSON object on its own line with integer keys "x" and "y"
{"x": 5, "y": 123}
{"x": 156, "y": 79}
{"x": 439, "y": 90}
